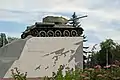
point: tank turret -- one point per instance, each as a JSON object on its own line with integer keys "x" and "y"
{"x": 52, "y": 26}
{"x": 56, "y": 20}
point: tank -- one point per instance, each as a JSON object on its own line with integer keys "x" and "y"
{"x": 52, "y": 26}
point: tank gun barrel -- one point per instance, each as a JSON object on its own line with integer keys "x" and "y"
{"x": 77, "y": 18}
{"x": 82, "y": 17}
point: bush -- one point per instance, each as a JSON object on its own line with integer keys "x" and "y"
{"x": 97, "y": 73}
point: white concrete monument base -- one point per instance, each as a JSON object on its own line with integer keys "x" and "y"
{"x": 42, "y": 56}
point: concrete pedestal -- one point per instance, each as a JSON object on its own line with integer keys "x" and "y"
{"x": 40, "y": 57}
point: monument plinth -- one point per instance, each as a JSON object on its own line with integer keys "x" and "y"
{"x": 40, "y": 56}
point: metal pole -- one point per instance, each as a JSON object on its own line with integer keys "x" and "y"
{"x": 107, "y": 58}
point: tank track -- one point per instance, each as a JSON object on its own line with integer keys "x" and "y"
{"x": 53, "y": 32}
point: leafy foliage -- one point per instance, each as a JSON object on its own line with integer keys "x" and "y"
{"x": 106, "y": 47}
{"x": 17, "y": 75}
{"x": 10, "y": 39}
{"x": 5, "y": 40}
{"x": 110, "y": 72}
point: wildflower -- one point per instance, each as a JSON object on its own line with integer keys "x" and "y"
{"x": 97, "y": 67}
{"x": 90, "y": 69}
{"x": 116, "y": 78}
{"x": 84, "y": 75}
{"x": 114, "y": 66}
{"x": 105, "y": 74}
{"x": 86, "y": 78}
{"x": 107, "y": 66}
{"x": 99, "y": 75}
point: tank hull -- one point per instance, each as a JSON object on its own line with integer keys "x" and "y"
{"x": 53, "y": 32}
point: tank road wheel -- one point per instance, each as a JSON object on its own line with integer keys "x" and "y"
{"x": 50, "y": 33}
{"x": 58, "y": 33}
{"x": 66, "y": 33}
{"x": 74, "y": 33}
{"x": 23, "y": 36}
{"x": 42, "y": 34}
{"x": 34, "y": 32}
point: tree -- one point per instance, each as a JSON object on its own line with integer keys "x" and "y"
{"x": 108, "y": 53}
{"x": 10, "y": 39}
{"x": 75, "y": 23}
{"x": 115, "y": 52}
{"x": 93, "y": 57}
{"x": 5, "y": 40}
{"x": 75, "y": 20}
{"x": 85, "y": 52}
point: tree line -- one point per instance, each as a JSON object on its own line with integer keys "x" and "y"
{"x": 109, "y": 53}
{"x": 5, "y": 40}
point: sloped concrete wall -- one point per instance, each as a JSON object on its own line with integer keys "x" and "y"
{"x": 9, "y": 53}
{"x": 42, "y": 56}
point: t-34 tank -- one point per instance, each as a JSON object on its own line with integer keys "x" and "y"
{"x": 52, "y": 26}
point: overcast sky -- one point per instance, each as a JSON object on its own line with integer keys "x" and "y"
{"x": 103, "y": 19}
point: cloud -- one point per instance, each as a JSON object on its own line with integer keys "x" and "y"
{"x": 21, "y": 17}
{"x": 24, "y": 17}
{"x": 33, "y": 9}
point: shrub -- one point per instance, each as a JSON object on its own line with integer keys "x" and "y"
{"x": 17, "y": 75}
{"x": 96, "y": 73}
